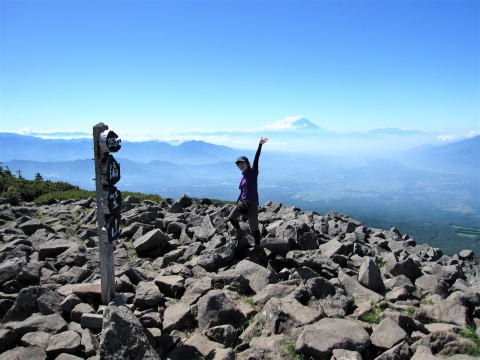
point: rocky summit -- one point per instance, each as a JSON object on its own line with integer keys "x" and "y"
{"x": 187, "y": 287}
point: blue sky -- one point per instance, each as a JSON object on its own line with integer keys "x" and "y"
{"x": 153, "y": 65}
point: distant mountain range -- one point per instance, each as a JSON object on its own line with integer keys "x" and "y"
{"x": 462, "y": 156}
{"x": 22, "y": 147}
{"x": 426, "y": 190}
{"x": 292, "y": 134}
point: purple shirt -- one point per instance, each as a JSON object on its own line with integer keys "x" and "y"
{"x": 248, "y": 185}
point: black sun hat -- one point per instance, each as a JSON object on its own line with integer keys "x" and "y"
{"x": 242, "y": 158}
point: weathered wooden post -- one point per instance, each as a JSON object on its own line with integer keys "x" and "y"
{"x": 109, "y": 199}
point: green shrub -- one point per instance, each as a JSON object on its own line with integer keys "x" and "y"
{"x": 470, "y": 333}
{"x": 292, "y": 353}
{"x": 13, "y": 195}
{"x": 63, "y": 195}
{"x": 409, "y": 311}
{"x": 372, "y": 315}
{"x": 142, "y": 196}
{"x": 31, "y": 189}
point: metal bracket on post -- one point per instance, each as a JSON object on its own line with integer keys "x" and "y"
{"x": 107, "y": 173}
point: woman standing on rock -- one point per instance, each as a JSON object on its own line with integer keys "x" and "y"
{"x": 247, "y": 202}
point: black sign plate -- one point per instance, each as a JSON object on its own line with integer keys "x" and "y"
{"x": 110, "y": 169}
{"x": 112, "y": 225}
{"x": 112, "y": 200}
{"x": 109, "y": 141}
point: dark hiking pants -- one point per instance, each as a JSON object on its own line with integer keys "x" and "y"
{"x": 248, "y": 208}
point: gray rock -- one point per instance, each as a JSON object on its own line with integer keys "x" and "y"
{"x": 24, "y": 353}
{"x": 152, "y": 241}
{"x": 258, "y": 276}
{"x": 224, "y": 334}
{"x": 212, "y": 260}
{"x": 123, "y": 336}
{"x": 196, "y": 347}
{"x": 80, "y": 309}
{"x": 424, "y": 353}
{"x": 387, "y": 334}
{"x": 53, "y": 323}
{"x": 357, "y": 291}
{"x": 466, "y": 254}
{"x": 432, "y": 284}
{"x": 444, "y": 311}
{"x": 272, "y": 291}
{"x": 49, "y": 302}
{"x": 91, "y": 321}
{"x": 369, "y": 276}
{"x": 66, "y": 341}
{"x": 30, "y": 226}
{"x": 215, "y": 308}
{"x": 400, "y": 351}
{"x": 147, "y": 294}
{"x": 36, "y": 338}
{"x": 335, "y": 247}
{"x": 89, "y": 343}
{"x": 177, "y": 317}
{"x": 70, "y": 302}
{"x": 53, "y": 248}
{"x": 315, "y": 260}
{"x": 276, "y": 245}
{"x": 400, "y": 293}
{"x": 408, "y": 267}
{"x": 206, "y": 229}
{"x": 321, "y": 338}
{"x": 26, "y": 303}
{"x": 281, "y": 315}
{"x": 185, "y": 200}
{"x": 169, "y": 285}
{"x": 10, "y": 268}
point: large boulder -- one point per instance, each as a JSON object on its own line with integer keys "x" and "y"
{"x": 147, "y": 294}
{"x": 387, "y": 334}
{"x": 319, "y": 339}
{"x": 444, "y": 311}
{"x": 64, "y": 342}
{"x": 123, "y": 336}
{"x": 369, "y": 276}
{"x": 53, "y": 248}
{"x": 357, "y": 291}
{"x": 177, "y": 317}
{"x": 408, "y": 267}
{"x": 26, "y": 303}
{"x": 258, "y": 276}
{"x": 53, "y": 323}
{"x": 216, "y": 308}
{"x": 30, "y": 226}
{"x": 206, "y": 229}
{"x": 281, "y": 315}
{"x": 151, "y": 243}
{"x": 24, "y": 353}
{"x": 10, "y": 268}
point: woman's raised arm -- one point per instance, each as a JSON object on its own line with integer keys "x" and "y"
{"x": 259, "y": 149}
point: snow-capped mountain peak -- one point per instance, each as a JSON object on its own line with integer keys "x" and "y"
{"x": 292, "y": 123}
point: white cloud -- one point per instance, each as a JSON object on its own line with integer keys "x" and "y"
{"x": 456, "y": 137}
{"x": 52, "y": 133}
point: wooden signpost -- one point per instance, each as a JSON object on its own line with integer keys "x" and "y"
{"x": 109, "y": 200}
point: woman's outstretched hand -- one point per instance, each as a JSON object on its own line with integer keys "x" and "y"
{"x": 263, "y": 140}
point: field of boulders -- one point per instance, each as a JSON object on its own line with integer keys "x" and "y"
{"x": 187, "y": 287}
